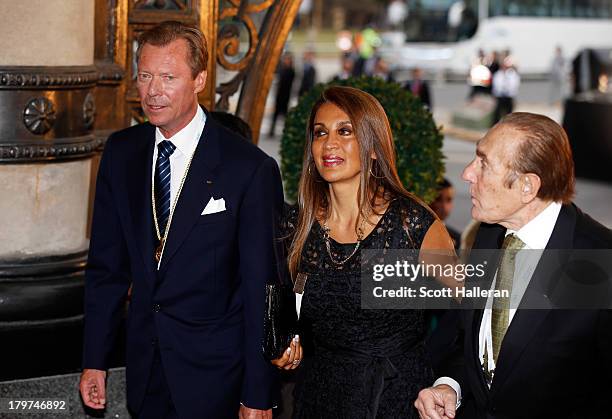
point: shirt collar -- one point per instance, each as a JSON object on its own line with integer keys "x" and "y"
{"x": 536, "y": 233}
{"x": 186, "y": 140}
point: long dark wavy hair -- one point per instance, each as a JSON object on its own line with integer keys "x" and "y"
{"x": 378, "y": 176}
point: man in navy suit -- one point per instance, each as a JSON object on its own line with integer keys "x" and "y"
{"x": 539, "y": 359}
{"x": 185, "y": 213}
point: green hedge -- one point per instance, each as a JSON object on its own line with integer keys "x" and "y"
{"x": 418, "y": 141}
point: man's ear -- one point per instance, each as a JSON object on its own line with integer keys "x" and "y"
{"x": 530, "y": 184}
{"x": 200, "y": 81}
{"x": 373, "y": 155}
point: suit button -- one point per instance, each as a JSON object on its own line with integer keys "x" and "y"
{"x": 154, "y": 342}
{"x": 156, "y": 308}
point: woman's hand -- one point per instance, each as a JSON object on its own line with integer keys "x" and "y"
{"x": 291, "y": 357}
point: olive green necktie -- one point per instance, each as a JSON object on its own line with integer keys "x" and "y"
{"x": 500, "y": 314}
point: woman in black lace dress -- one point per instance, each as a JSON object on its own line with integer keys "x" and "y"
{"x": 357, "y": 363}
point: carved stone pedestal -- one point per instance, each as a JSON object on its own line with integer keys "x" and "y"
{"x": 47, "y": 115}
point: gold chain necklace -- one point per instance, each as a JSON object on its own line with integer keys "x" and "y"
{"x": 159, "y": 250}
{"x": 326, "y": 231}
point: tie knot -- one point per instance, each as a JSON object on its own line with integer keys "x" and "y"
{"x": 166, "y": 148}
{"x": 512, "y": 242}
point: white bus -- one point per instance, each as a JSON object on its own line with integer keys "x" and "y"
{"x": 444, "y": 36}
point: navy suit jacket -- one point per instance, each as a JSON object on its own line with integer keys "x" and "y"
{"x": 553, "y": 363}
{"x": 203, "y": 309}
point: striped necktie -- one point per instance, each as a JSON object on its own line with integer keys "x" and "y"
{"x": 162, "y": 183}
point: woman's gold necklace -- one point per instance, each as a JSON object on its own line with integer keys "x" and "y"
{"x": 326, "y": 231}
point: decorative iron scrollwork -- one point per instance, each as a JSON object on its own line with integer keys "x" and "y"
{"x": 229, "y": 88}
{"x": 39, "y": 115}
{"x": 228, "y": 42}
{"x": 243, "y": 35}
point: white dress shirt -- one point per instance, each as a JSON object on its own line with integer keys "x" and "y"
{"x": 506, "y": 83}
{"x": 186, "y": 141}
{"x": 535, "y": 234}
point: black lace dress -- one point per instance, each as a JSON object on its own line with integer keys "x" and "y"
{"x": 359, "y": 363}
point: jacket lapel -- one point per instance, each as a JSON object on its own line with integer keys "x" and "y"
{"x": 488, "y": 240}
{"x": 196, "y": 192}
{"x": 526, "y": 322}
{"x": 139, "y": 188}
{"x": 473, "y": 320}
{"x": 522, "y": 329}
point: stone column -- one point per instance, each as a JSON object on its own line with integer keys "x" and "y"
{"x": 47, "y": 114}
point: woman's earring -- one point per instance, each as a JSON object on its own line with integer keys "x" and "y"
{"x": 374, "y": 176}
{"x": 316, "y": 178}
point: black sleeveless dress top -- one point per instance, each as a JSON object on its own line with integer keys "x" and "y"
{"x": 359, "y": 363}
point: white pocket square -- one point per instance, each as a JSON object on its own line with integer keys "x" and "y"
{"x": 214, "y": 206}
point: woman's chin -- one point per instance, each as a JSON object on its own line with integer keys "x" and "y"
{"x": 339, "y": 178}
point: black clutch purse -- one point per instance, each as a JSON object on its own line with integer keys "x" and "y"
{"x": 279, "y": 320}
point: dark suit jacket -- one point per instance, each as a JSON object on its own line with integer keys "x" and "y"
{"x": 283, "y": 90}
{"x": 553, "y": 363}
{"x": 308, "y": 79}
{"x": 423, "y": 92}
{"x": 204, "y": 308}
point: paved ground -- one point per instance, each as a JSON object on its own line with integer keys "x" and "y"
{"x": 593, "y": 197}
